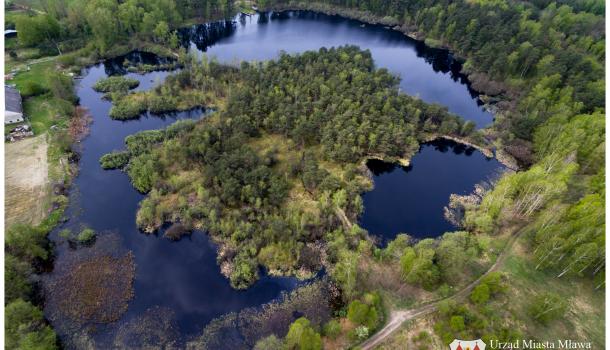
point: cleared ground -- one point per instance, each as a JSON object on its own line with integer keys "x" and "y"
{"x": 26, "y": 180}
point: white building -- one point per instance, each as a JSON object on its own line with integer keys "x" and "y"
{"x": 13, "y": 109}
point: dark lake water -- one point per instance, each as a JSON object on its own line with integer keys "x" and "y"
{"x": 183, "y": 276}
{"x": 431, "y": 74}
{"x": 411, "y": 199}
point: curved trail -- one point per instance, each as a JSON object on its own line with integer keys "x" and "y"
{"x": 398, "y": 317}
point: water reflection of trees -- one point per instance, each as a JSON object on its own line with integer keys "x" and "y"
{"x": 206, "y": 35}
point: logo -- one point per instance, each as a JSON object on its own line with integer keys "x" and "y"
{"x": 457, "y": 344}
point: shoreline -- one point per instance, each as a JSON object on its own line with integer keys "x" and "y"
{"x": 393, "y": 24}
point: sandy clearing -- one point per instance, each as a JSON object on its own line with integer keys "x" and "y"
{"x": 26, "y": 180}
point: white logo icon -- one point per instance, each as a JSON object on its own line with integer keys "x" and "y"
{"x": 457, "y": 344}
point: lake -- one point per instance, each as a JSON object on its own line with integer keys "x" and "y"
{"x": 183, "y": 276}
{"x": 431, "y": 74}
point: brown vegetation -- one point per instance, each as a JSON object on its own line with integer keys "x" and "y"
{"x": 241, "y": 330}
{"x": 154, "y": 329}
{"x": 90, "y": 286}
{"x": 97, "y": 290}
{"x": 79, "y": 124}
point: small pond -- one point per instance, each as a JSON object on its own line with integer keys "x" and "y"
{"x": 411, "y": 199}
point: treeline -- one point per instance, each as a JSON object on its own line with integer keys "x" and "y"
{"x": 68, "y": 25}
{"x": 297, "y": 127}
{"x": 562, "y": 195}
{"x": 26, "y": 251}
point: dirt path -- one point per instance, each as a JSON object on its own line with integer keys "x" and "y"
{"x": 26, "y": 180}
{"x": 398, "y": 317}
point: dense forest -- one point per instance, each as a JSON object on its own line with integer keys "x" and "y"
{"x": 98, "y": 26}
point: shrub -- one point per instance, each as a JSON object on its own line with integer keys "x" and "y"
{"x": 302, "y": 336}
{"x": 31, "y": 88}
{"x": 115, "y": 83}
{"x": 244, "y": 272}
{"x": 176, "y": 231}
{"x": 65, "y": 233}
{"x": 160, "y": 104}
{"x": 62, "y": 88}
{"x": 547, "y": 307}
{"x": 127, "y": 108}
{"x": 480, "y": 294}
{"x": 362, "y": 332}
{"x": 114, "y": 160}
{"x": 269, "y": 343}
{"x": 494, "y": 282}
{"x": 457, "y": 323}
{"x": 332, "y": 329}
{"x": 85, "y": 236}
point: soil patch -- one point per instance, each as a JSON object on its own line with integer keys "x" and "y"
{"x": 27, "y": 181}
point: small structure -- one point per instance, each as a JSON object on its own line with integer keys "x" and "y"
{"x": 13, "y": 109}
{"x": 19, "y": 133}
{"x": 10, "y": 33}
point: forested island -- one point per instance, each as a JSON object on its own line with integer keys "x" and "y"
{"x": 280, "y": 166}
{"x": 276, "y": 172}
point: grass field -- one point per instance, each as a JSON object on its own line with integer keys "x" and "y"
{"x": 584, "y": 319}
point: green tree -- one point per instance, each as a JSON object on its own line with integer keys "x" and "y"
{"x": 301, "y": 336}
{"x": 161, "y": 32}
{"x": 27, "y": 242}
{"x": 457, "y": 323}
{"x": 480, "y": 294}
{"x": 269, "y": 343}
{"x": 407, "y": 260}
{"x": 38, "y": 30}
{"x": 16, "y": 278}
{"x": 25, "y": 328}
{"x": 424, "y": 272}
{"x": 546, "y": 307}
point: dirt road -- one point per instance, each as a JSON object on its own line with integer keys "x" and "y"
{"x": 26, "y": 180}
{"x": 398, "y": 317}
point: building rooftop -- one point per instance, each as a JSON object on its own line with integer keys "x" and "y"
{"x": 12, "y": 100}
